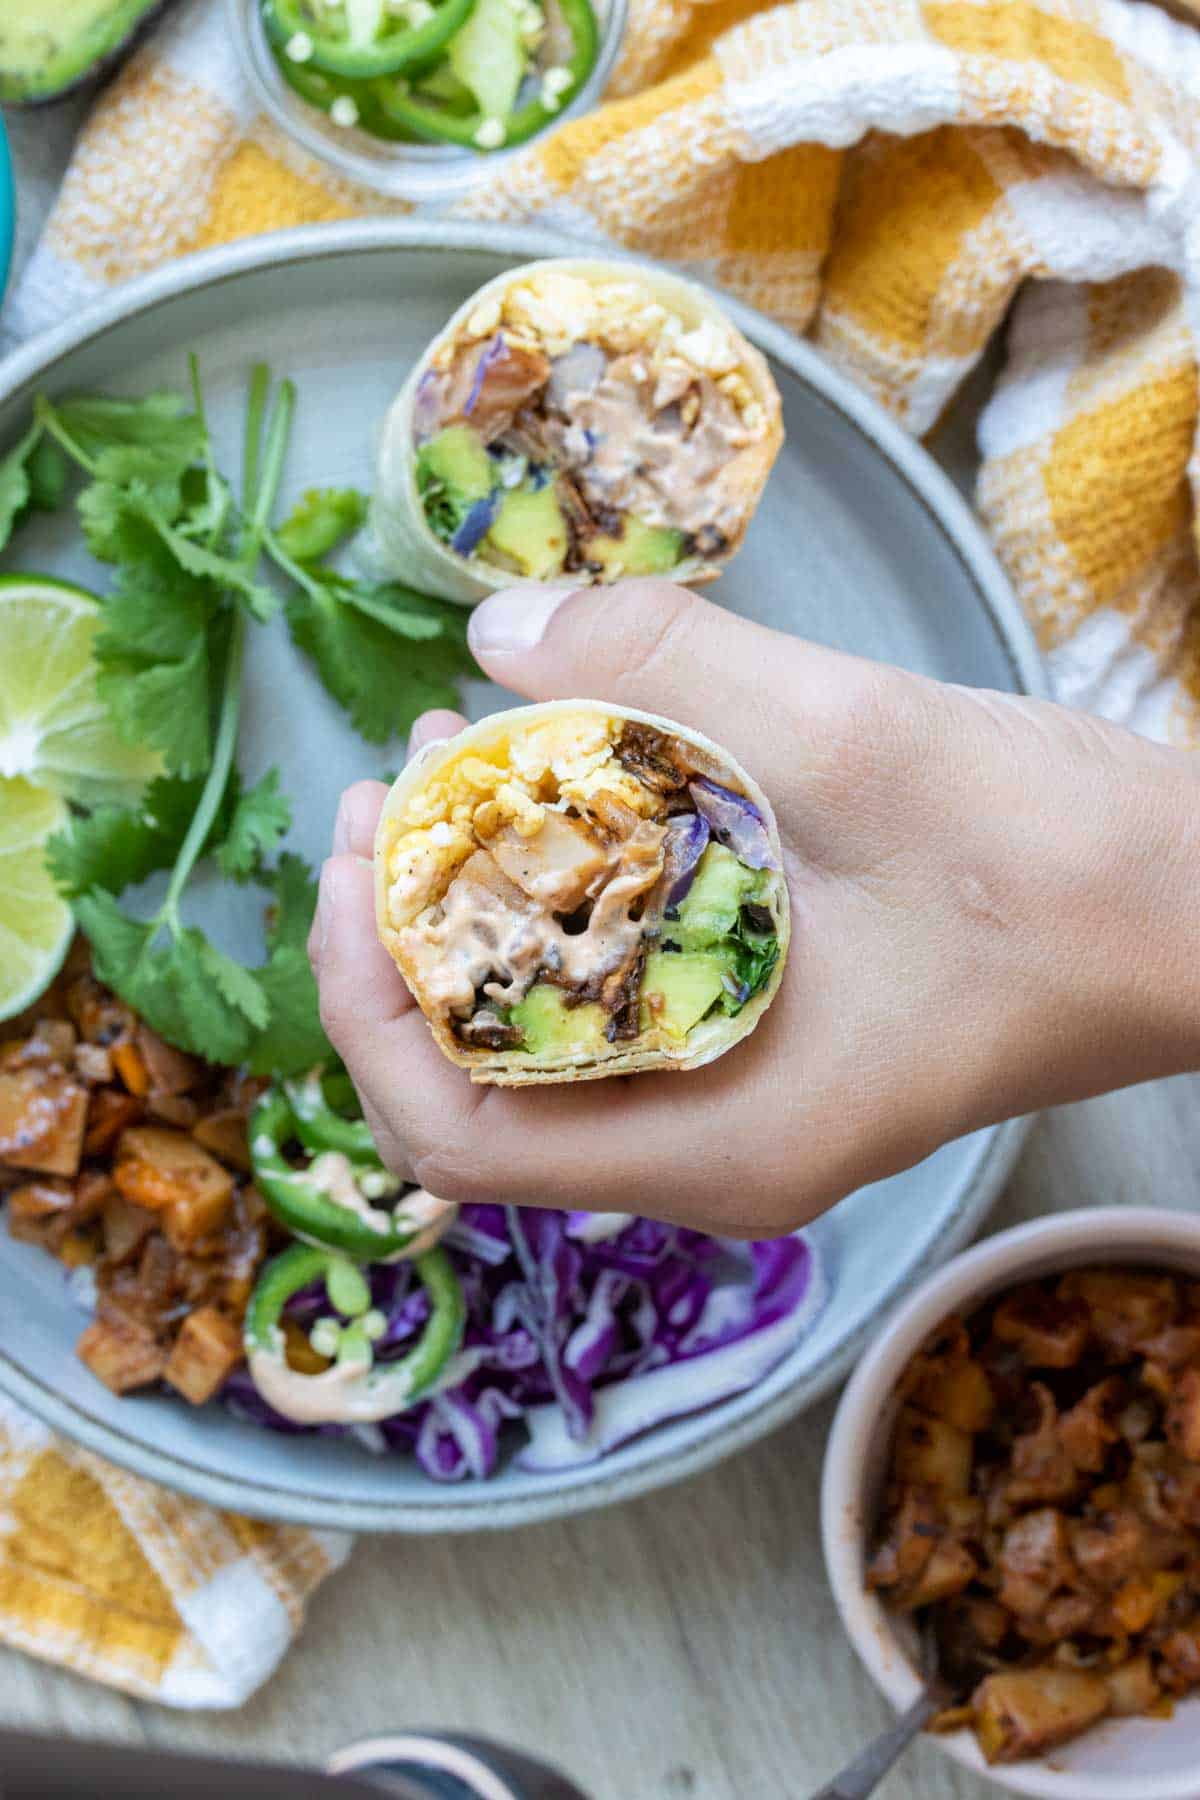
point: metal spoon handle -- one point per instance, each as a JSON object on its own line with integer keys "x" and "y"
{"x": 861, "y": 1777}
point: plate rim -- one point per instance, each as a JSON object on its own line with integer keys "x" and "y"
{"x": 997, "y": 1146}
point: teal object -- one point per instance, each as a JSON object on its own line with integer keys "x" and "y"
{"x": 8, "y": 210}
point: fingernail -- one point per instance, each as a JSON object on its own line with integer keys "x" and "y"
{"x": 326, "y": 902}
{"x": 417, "y": 742}
{"x": 515, "y": 619}
{"x": 341, "y": 829}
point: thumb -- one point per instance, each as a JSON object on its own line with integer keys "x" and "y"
{"x": 646, "y": 644}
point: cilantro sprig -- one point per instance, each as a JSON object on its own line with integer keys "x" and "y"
{"x": 194, "y": 571}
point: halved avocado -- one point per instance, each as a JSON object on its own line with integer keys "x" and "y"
{"x": 47, "y": 47}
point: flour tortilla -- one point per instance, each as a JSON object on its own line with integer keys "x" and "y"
{"x": 402, "y": 543}
{"x": 519, "y": 1068}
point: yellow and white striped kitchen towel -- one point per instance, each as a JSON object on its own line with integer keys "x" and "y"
{"x": 140, "y": 1588}
{"x": 890, "y": 175}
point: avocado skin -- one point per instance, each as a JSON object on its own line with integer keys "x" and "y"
{"x": 110, "y": 29}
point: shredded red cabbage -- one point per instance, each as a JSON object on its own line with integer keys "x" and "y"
{"x": 683, "y": 846}
{"x": 736, "y": 822}
{"x": 476, "y": 525}
{"x": 494, "y": 350}
{"x": 583, "y": 1330}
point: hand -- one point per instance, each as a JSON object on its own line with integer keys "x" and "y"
{"x": 993, "y": 910}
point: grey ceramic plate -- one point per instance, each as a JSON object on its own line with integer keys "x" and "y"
{"x": 861, "y": 541}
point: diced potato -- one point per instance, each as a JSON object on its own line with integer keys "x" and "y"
{"x": 186, "y": 1222}
{"x": 122, "y": 1355}
{"x": 958, "y": 1392}
{"x": 171, "y": 1071}
{"x": 51, "y": 1041}
{"x": 77, "y": 1249}
{"x": 1111, "y": 1549}
{"x": 1132, "y": 1688}
{"x": 907, "y": 1542}
{"x": 205, "y": 1354}
{"x": 1134, "y": 1604}
{"x": 1051, "y": 1331}
{"x": 557, "y": 866}
{"x": 1035, "y": 1561}
{"x": 110, "y": 1112}
{"x": 932, "y": 1453}
{"x": 125, "y": 1228}
{"x": 91, "y": 1191}
{"x": 161, "y": 1169}
{"x": 42, "y": 1117}
{"x": 178, "y": 1110}
{"x": 224, "y": 1134}
{"x": 1183, "y": 1415}
{"x": 1042, "y": 1470}
{"x": 1181, "y": 1651}
{"x": 93, "y": 1064}
{"x": 1025, "y": 1712}
{"x": 32, "y": 1206}
{"x": 1125, "y": 1306}
{"x": 949, "y": 1570}
{"x": 99, "y": 1015}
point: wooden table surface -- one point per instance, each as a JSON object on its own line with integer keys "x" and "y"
{"x": 681, "y": 1645}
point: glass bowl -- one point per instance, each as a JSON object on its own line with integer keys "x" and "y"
{"x": 429, "y": 173}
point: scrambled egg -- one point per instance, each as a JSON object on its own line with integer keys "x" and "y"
{"x": 560, "y": 762}
{"x": 553, "y": 309}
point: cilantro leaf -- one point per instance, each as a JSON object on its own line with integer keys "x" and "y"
{"x": 159, "y": 421}
{"x": 186, "y": 989}
{"x": 15, "y": 487}
{"x": 116, "y": 847}
{"x": 261, "y": 817}
{"x": 235, "y": 983}
{"x": 294, "y": 1040}
{"x": 261, "y": 601}
{"x": 47, "y": 469}
{"x": 320, "y": 521}
{"x": 386, "y": 654}
{"x": 154, "y": 657}
{"x": 161, "y": 704}
{"x": 295, "y": 901}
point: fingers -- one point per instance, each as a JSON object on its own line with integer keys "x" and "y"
{"x": 359, "y": 983}
{"x": 373, "y": 1022}
{"x": 357, "y": 817}
{"x": 434, "y": 725}
{"x": 647, "y": 644}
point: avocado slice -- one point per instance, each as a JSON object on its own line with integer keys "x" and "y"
{"x": 530, "y": 529}
{"x": 641, "y": 549}
{"x": 47, "y": 47}
{"x": 709, "y": 910}
{"x": 456, "y": 457}
{"x": 548, "y": 1024}
{"x": 678, "y": 989}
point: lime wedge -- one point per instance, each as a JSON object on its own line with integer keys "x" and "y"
{"x": 54, "y": 729}
{"x": 36, "y": 926}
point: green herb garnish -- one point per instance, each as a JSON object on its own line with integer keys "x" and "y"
{"x": 193, "y": 571}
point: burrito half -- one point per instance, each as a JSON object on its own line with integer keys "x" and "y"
{"x": 574, "y": 890}
{"x": 588, "y": 419}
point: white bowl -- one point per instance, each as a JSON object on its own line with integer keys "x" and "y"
{"x": 431, "y": 175}
{"x": 1125, "y": 1759}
